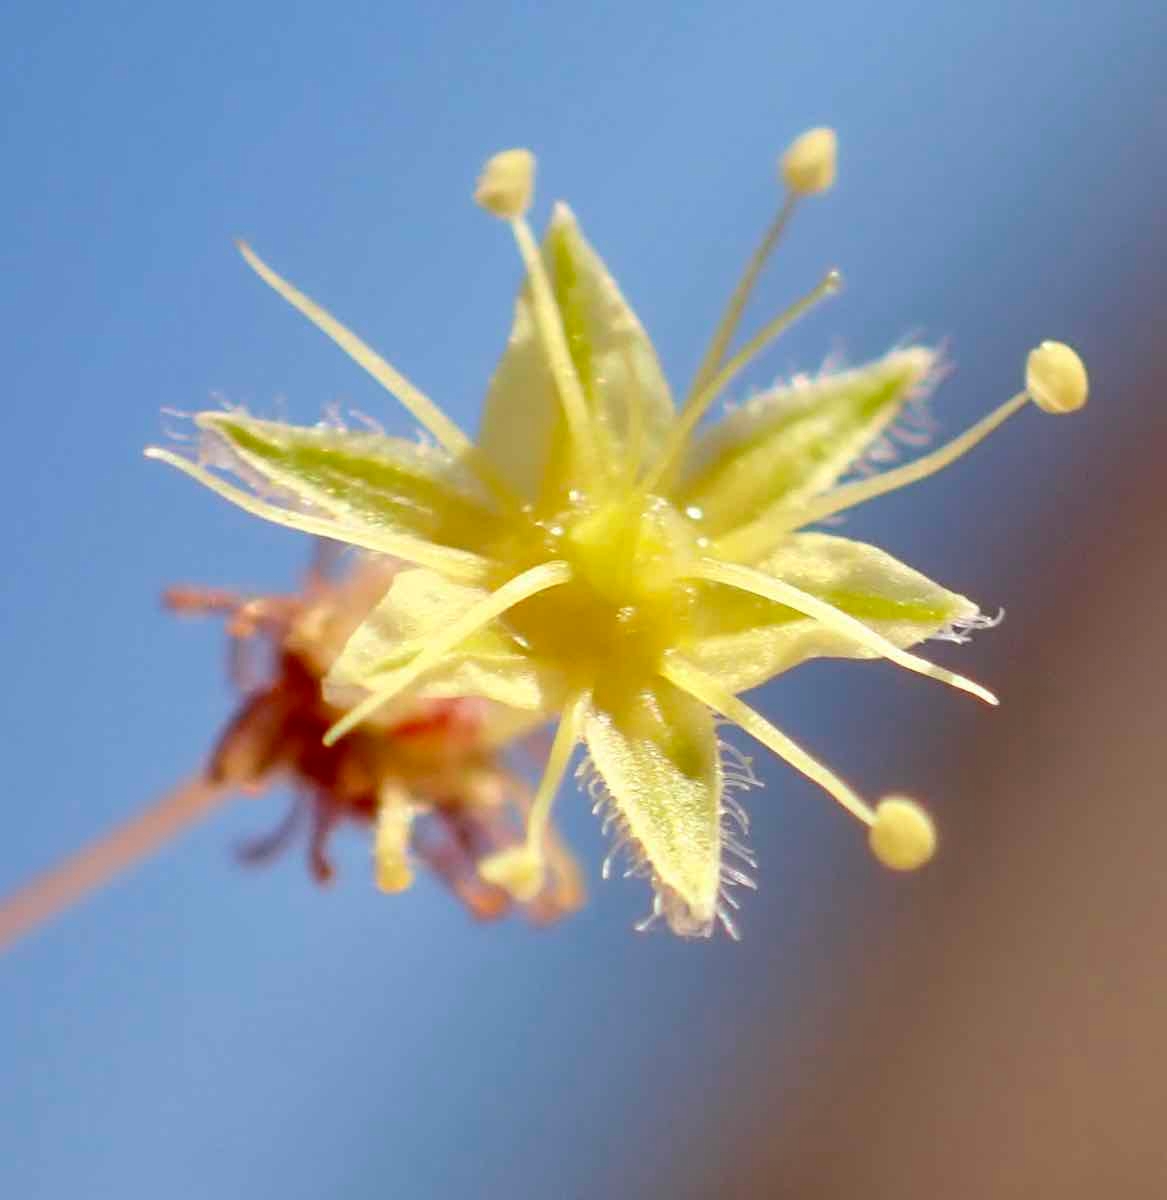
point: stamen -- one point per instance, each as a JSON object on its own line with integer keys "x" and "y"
{"x": 1055, "y": 380}
{"x": 709, "y": 691}
{"x": 757, "y": 583}
{"x": 806, "y": 167}
{"x": 505, "y": 189}
{"x": 490, "y": 608}
{"x": 551, "y": 333}
{"x": 456, "y": 564}
{"x": 420, "y": 406}
{"x": 728, "y": 324}
{"x": 391, "y": 839}
{"x": 698, "y": 405}
{"x": 519, "y": 869}
{"x": 862, "y": 490}
{"x": 98, "y": 863}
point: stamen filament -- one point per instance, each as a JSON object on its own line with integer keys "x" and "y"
{"x": 746, "y": 579}
{"x": 413, "y": 399}
{"x": 709, "y": 691}
{"x": 420, "y": 406}
{"x": 63, "y": 885}
{"x": 550, "y": 327}
{"x": 391, "y": 838}
{"x": 563, "y": 744}
{"x": 634, "y": 435}
{"x": 728, "y": 324}
{"x": 699, "y": 404}
{"x": 490, "y": 608}
{"x": 521, "y": 870}
{"x": 862, "y": 490}
{"x": 456, "y": 564}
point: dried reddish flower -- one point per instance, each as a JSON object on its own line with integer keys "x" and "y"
{"x": 428, "y": 781}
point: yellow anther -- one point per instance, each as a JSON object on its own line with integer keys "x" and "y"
{"x": 517, "y": 870}
{"x": 902, "y": 835}
{"x": 391, "y": 843}
{"x": 808, "y": 166}
{"x": 1055, "y": 377}
{"x": 506, "y": 184}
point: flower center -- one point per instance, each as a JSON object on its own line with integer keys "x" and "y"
{"x": 625, "y": 604}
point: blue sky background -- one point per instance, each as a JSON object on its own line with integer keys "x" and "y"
{"x": 200, "y": 1031}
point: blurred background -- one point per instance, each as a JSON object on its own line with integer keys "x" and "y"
{"x": 994, "y": 1027}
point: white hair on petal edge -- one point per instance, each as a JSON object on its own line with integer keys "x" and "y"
{"x": 178, "y": 424}
{"x": 961, "y": 629}
{"x": 367, "y": 423}
{"x": 332, "y": 417}
{"x": 736, "y": 856}
{"x": 914, "y": 428}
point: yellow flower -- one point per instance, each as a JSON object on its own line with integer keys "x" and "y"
{"x": 596, "y": 556}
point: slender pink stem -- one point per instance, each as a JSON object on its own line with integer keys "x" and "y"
{"x": 51, "y": 893}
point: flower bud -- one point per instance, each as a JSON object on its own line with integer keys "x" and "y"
{"x": 1055, "y": 378}
{"x": 902, "y": 836}
{"x": 506, "y": 184}
{"x": 808, "y": 166}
